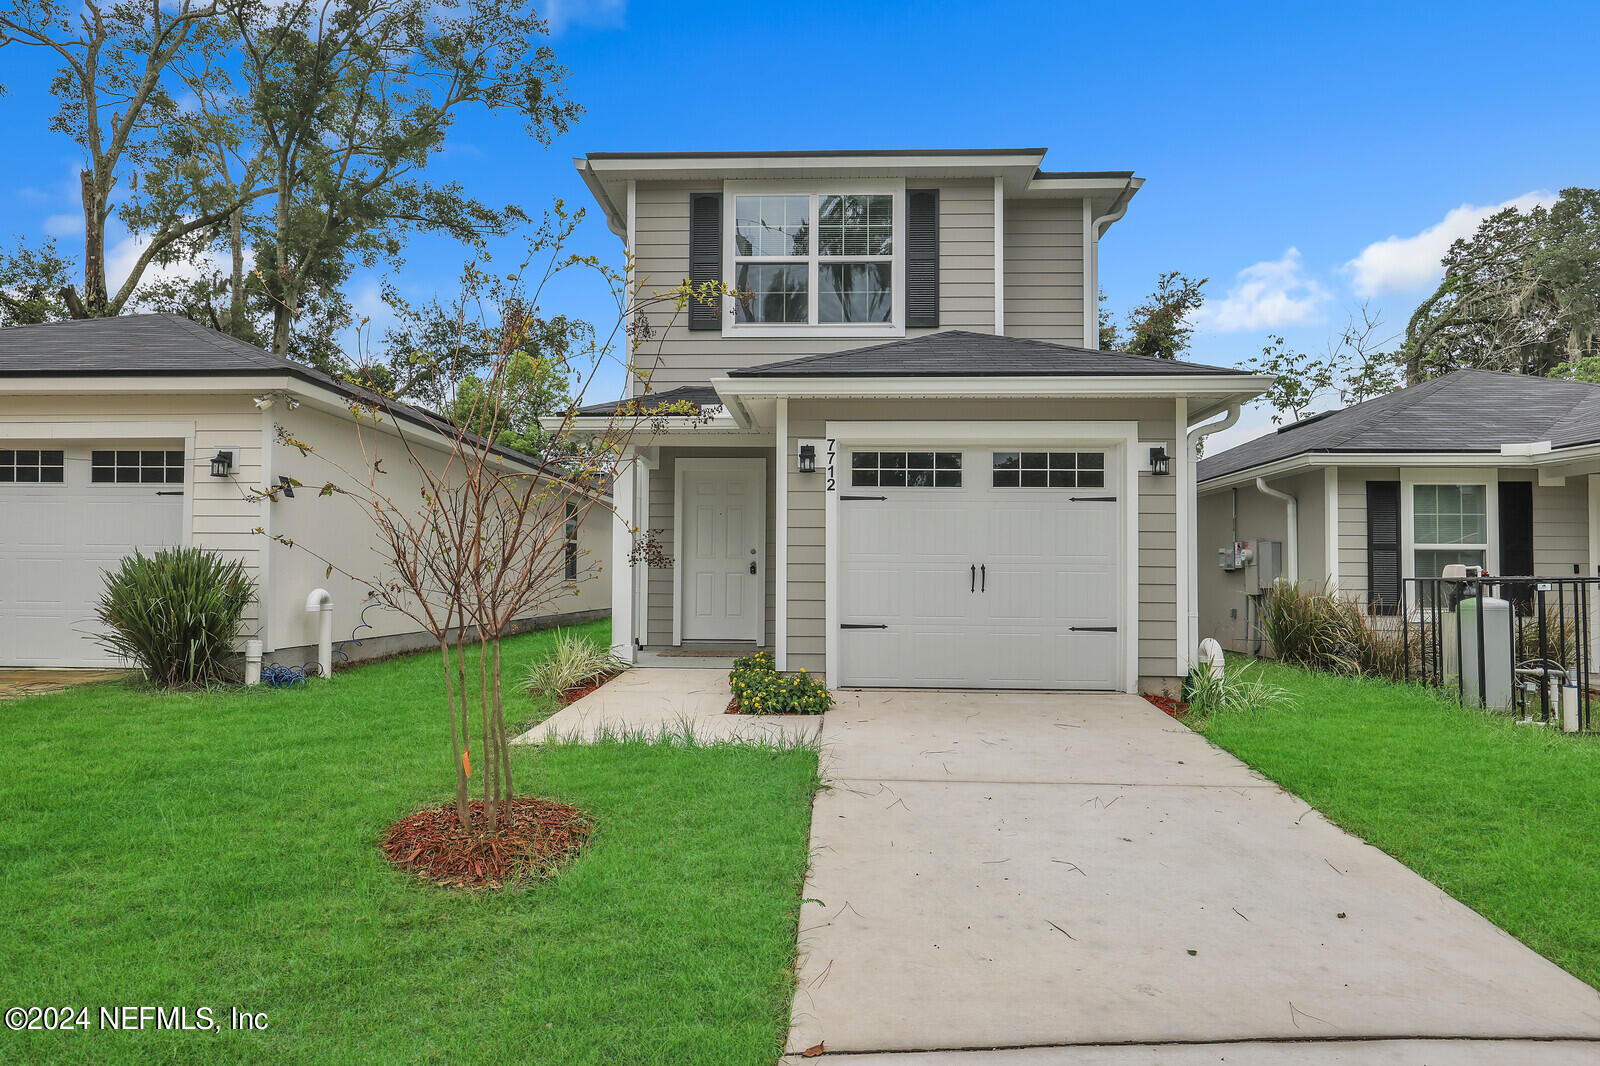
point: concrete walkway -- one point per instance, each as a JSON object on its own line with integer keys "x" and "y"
{"x": 1079, "y": 879}
{"x": 674, "y": 700}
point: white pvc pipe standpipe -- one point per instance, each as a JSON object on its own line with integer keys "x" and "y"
{"x": 322, "y": 600}
{"x": 252, "y": 662}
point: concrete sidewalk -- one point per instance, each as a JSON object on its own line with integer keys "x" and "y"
{"x": 1052, "y": 874}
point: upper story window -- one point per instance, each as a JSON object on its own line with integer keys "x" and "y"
{"x": 827, "y": 259}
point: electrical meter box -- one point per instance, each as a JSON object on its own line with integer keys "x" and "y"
{"x": 1264, "y": 567}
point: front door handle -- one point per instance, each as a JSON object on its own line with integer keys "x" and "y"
{"x": 752, "y": 568}
{"x": 974, "y": 587}
{"x": 983, "y": 572}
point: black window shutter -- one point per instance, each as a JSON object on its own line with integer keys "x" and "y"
{"x": 922, "y": 258}
{"x": 705, "y": 256}
{"x": 1383, "y": 546}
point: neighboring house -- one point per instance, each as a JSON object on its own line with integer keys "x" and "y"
{"x": 108, "y": 428}
{"x": 917, "y": 469}
{"x": 1475, "y": 467}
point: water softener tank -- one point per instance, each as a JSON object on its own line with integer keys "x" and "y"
{"x": 1495, "y": 651}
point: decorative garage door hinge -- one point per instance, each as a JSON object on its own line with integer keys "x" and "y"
{"x": 1092, "y": 499}
{"x": 863, "y": 497}
{"x": 861, "y": 625}
{"x": 1091, "y": 629}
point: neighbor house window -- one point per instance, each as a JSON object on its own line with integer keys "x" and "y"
{"x": 905, "y": 470}
{"x": 33, "y": 466}
{"x": 1052, "y": 470}
{"x": 1450, "y": 524}
{"x": 816, "y": 258}
{"x": 129, "y": 467}
{"x": 571, "y": 545}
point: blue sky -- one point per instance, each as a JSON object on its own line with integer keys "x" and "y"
{"x": 1303, "y": 160}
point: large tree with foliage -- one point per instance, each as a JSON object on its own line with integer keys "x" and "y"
{"x": 31, "y": 282}
{"x": 1522, "y": 294}
{"x": 1161, "y": 326}
{"x": 116, "y": 102}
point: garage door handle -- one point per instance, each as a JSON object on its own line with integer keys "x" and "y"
{"x": 983, "y": 572}
{"x": 1092, "y": 499}
{"x": 1091, "y": 629}
{"x": 974, "y": 587}
{"x": 861, "y": 625}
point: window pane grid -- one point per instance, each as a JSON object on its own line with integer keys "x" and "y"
{"x": 1049, "y": 470}
{"x": 32, "y": 466}
{"x": 905, "y": 470}
{"x": 1449, "y": 514}
{"x": 126, "y": 467}
{"x": 841, "y": 275}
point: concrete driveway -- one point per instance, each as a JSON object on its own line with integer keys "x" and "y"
{"x": 1077, "y": 878}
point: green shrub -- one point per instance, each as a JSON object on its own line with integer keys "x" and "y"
{"x": 1320, "y": 630}
{"x": 176, "y": 614}
{"x": 760, "y": 689}
{"x": 1236, "y": 692}
{"x": 574, "y": 661}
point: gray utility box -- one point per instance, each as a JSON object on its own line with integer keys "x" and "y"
{"x": 1495, "y": 650}
{"x": 1264, "y": 567}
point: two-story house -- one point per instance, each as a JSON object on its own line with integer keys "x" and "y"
{"x": 916, "y": 468}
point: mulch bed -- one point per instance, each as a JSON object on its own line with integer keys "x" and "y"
{"x": 578, "y": 692}
{"x": 534, "y": 839}
{"x": 733, "y": 706}
{"x": 1176, "y": 708}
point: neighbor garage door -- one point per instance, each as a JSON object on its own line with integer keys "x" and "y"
{"x": 983, "y": 567}
{"x": 68, "y": 513}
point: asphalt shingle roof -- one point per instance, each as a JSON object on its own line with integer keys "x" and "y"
{"x": 1463, "y": 411}
{"x": 959, "y": 353}
{"x": 699, "y": 395}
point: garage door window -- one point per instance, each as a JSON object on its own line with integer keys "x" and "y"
{"x": 905, "y": 470}
{"x": 1053, "y": 470}
{"x": 126, "y": 467}
{"x": 31, "y": 465}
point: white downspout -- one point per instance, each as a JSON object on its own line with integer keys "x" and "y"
{"x": 321, "y": 600}
{"x": 1091, "y": 273}
{"x": 1191, "y": 585}
{"x": 1291, "y": 539}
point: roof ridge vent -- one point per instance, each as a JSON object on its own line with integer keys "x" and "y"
{"x": 1308, "y": 419}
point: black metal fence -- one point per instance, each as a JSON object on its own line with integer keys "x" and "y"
{"x": 1518, "y": 644}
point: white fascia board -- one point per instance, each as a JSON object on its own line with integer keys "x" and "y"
{"x": 1125, "y": 385}
{"x": 1296, "y": 463}
{"x": 147, "y": 383}
{"x": 670, "y": 167}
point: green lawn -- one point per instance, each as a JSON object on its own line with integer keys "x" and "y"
{"x": 1505, "y": 818}
{"x": 220, "y": 850}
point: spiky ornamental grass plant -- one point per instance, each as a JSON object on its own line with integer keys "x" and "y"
{"x": 176, "y": 613}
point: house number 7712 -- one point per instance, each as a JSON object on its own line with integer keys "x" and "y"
{"x": 831, "y": 453}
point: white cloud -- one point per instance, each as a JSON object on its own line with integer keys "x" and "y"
{"x": 563, "y": 13}
{"x": 1267, "y": 295}
{"x": 1405, "y": 264}
{"x": 122, "y": 253}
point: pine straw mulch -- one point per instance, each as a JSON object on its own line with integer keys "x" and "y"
{"x": 535, "y": 839}
{"x": 1176, "y": 708}
{"x": 578, "y": 692}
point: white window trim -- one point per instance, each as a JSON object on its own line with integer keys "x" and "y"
{"x": 895, "y": 327}
{"x": 1118, "y": 437}
{"x": 1411, "y": 477}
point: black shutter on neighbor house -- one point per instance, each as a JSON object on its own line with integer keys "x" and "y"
{"x": 705, "y": 256}
{"x": 1516, "y": 528}
{"x": 922, "y": 258}
{"x": 1383, "y": 546}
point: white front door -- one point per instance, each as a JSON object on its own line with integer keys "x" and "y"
{"x": 981, "y": 567}
{"x": 722, "y": 522}
{"x": 69, "y": 513}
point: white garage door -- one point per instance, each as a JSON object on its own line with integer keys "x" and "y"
{"x": 981, "y": 567}
{"x": 68, "y": 513}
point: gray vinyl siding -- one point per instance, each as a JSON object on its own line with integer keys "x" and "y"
{"x": 658, "y": 612}
{"x": 1561, "y": 528}
{"x": 1044, "y": 270}
{"x": 675, "y": 356}
{"x": 1157, "y": 517}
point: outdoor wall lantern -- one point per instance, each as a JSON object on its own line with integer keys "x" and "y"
{"x": 1159, "y": 462}
{"x": 808, "y": 458}
{"x": 222, "y": 463}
